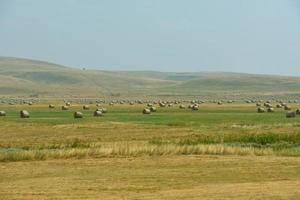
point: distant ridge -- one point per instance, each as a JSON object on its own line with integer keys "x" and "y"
{"x": 20, "y": 76}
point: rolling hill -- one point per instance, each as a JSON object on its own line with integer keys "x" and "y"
{"x": 30, "y": 77}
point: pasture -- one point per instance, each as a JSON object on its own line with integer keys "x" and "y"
{"x": 219, "y": 151}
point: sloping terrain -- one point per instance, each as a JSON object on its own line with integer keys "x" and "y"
{"x": 27, "y": 77}
{"x": 22, "y": 76}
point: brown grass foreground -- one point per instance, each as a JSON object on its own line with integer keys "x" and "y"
{"x": 162, "y": 177}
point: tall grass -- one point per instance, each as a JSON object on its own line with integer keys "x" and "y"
{"x": 117, "y": 149}
{"x": 261, "y": 140}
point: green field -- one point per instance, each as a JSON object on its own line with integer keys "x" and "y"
{"x": 219, "y": 152}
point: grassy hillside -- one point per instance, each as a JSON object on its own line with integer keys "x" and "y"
{"x": 23, "y": 77}
{"x": 26, "y": 77}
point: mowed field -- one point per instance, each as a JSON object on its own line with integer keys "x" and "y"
{"x": 219, "y": 152}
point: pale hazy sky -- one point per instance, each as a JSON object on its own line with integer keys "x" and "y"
{"x": 255, "y": 36}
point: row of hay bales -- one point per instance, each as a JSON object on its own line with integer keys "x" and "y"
{"x": 23, "y": 114}
{"x": 150, "y": 108}
{"x": 97, "y": 113}
{"x": 268, "y": 107}
{"x": 139, "y": 101}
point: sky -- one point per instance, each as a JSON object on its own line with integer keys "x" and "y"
{"x": 257, "y": 36}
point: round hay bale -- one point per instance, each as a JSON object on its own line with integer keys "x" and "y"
{"x": 195, "y": 107}
{"x": 287, "y": 107}
{"x": 161, "y": 104}
{"x": 291, "y": 114}
{"x": 97, "y": 113}
{"x": 182, "y": 106}
{"x": 51, "y": 106}
{"x": 220, "y": 103}
{"x": 30, "y": 103}
{"x": 146, "y": 111}
{"x": 78, "y": 115}
{"x": 278, "y": 106}
{"x": 258, "y": 104}
{"x": 153, "y": 109}
{"x": 298, "y": 111}
{"x": 24, "y": 114}
{"x": 98, "y": 104}
{"x": 65, "y": 107}
{"x": 268, "y": 105}
{"x": 104, "y": 110}
{"x": 68, "y": 104}
{"x": 270, "y": 109}
{"x": 2, "y": 113}
{"x": 260, "y": 110}
{"x": 86, "y": 107}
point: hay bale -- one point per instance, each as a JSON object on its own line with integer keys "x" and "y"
{"x": 278, "y": 106}
{"x": 182, "y": 106}
{"x": 2, "y": 113}
{"x": 161, "y": 104}
{"x": 103, "y": 110}
{"x": 68, "y": 104}
{"x": 298, "y": 111}
{"x": 258, "y": 104}
{"x": 220, "y": 103}
{"x": 270, "y": 109}
{"x": 146, "y": 111}
{"x": 153, "y": 109}
{"x": 260, "y": 110}
{"x": 268, "y": 105}
{"x": 86, "y": 107}
{"x": 24, "y": 114}
{"x": 65, "y": 107}
{"x": 97, "y": 113}
{"x": 291, "y": 114}
{"x": 78, "y": 115}
{"x": 287, "y": 107}
{"x": 195, "y": 107}
{"x": 51, "y": 106}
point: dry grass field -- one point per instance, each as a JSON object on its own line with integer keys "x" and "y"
{"x": 219, "y": 152}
